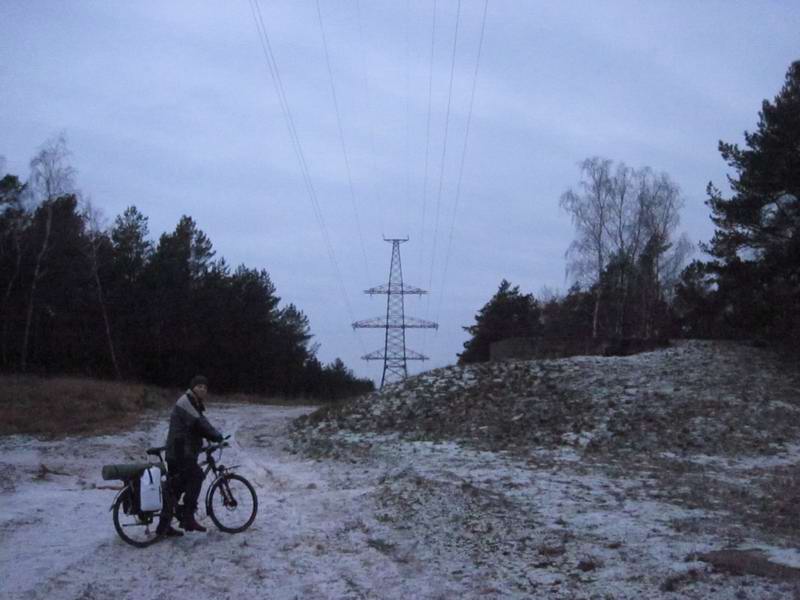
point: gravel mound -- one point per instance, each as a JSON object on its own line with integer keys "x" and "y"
{"x": 695, "y": 396}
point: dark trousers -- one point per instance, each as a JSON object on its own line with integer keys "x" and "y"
{"x": 184, "y": 478}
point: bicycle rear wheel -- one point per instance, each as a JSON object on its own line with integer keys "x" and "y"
{"x": 232, "y": 503}
{"x": 137, "y": 529}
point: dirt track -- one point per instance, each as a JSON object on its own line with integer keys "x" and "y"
{"x": 386, "y": 519}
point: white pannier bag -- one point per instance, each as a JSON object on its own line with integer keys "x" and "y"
{"x": 150, "y": 490}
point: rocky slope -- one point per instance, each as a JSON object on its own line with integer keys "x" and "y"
{"x": 696, "y": 397}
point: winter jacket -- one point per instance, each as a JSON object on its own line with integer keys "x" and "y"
{"x": 187, "y": 429}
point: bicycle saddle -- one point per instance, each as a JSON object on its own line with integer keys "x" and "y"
{"x": 156, "y": 451}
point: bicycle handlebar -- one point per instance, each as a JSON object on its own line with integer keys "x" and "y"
{"x": 214, "y": 447}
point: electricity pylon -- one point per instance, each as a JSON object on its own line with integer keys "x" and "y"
{"x": 395, "y": 354}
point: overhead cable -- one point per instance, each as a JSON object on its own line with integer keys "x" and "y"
{"x": 463, "y": 155}
{"x": 298, "y": 150}
{"x": 408, "y": 103}
{"x": 343, "y": 145}
{"x": 427, "y": 142}
{"x": 368, "y": 101}
{"x": 444, "y": 154}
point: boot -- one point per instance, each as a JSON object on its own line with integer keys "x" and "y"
{"x": 190, "y": 524}
{"x": 172, "y": 532}
{"x": 167, "y": 530}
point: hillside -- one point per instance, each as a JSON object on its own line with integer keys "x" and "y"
{"x": 673, "y": 473}
{"x": 695, "y": 397}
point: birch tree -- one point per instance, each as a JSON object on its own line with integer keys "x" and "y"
{"x": 51, "y": 177}
{"x": 97, "y": 237}
{"x": 625, "y": 220}
{"x": 591, "y": 212}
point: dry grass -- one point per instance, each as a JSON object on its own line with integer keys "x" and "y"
{"x": 51, "y": 407}
{"x": 68, "y": 405}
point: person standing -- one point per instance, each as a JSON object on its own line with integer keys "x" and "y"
{"x": 187, "y": 430}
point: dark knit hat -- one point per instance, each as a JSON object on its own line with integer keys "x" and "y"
{"x": 198, "y": 380}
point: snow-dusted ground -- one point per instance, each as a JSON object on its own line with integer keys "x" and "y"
{"x": 386, "y": 519}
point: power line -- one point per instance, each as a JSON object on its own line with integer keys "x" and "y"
{"x": 341, "y": 139}
{"x": 288, "y": 119}
{"x": 427, "y": 140}
{"x": 463, "y": 156}
{"x": 298, "y": 149}
{"x": 408, "y": 101}
{"x": 368, "y": 100}
{"x": 444, "y": 152}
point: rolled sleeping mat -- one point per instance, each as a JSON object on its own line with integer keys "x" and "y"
{"x": 128, "y": 470}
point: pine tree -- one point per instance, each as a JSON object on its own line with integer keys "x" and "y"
{"x": 757, "y": 242}
{"x": 508, "y": 314}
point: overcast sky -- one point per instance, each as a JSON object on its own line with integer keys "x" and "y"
{"x": 169, "y": 106}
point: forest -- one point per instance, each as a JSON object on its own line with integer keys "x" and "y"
{"x": 110, "y": 302}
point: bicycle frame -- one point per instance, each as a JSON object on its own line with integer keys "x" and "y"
{"x": 219, "y": 471}
{"x": 210, "y": 465}
{"x": 220, "y": 491}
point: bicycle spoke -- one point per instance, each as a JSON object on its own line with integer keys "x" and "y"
{"x": 233, "y": 504}
{"x": 135, "y": 529}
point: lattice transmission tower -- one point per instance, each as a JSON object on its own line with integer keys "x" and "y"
{"x": 395, "y": 354}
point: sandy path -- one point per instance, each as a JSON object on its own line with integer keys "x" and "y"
{"x": 57, "y": 538}
{"x": 384, "y": 520}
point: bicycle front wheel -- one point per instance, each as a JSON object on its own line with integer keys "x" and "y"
{"x": 232, "y": 503}
{"x": 137, "y": 529}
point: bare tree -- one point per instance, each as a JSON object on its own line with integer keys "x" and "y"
{"x": 548, "y": 294}
{"x": 590, "y": 209}
{"x": 96, "y": 237}
{"x": 664, "y": 216}
{"x": 624, "y": 230}
{"x": 624, "y": 221}
{"x": 659, "y": 206}
{"x": 51, "y": 177}
{"x": 672, "y": 265}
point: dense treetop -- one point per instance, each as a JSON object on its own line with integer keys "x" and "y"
{"x": 78, "y": 298}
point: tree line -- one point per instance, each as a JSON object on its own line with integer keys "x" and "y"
{"x": 625, "y": 262}
{"x": 107, "y": 302}
{"x": 628, "y": 263}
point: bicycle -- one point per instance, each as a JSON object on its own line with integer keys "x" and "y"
{"x": 230, "y": 500}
